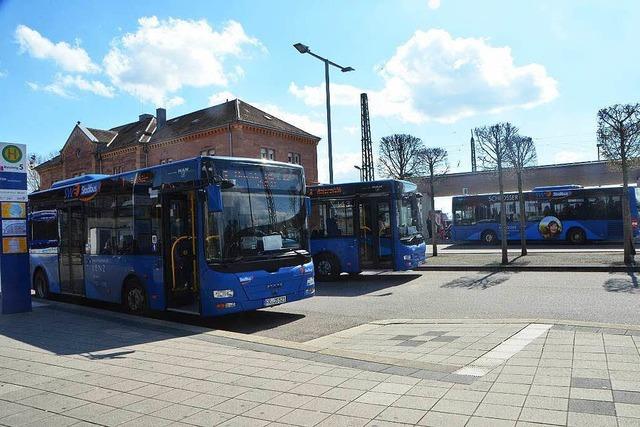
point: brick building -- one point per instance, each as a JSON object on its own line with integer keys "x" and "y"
{"x": 233, "y": 128}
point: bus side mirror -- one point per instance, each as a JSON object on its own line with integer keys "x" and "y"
{"x": 214, "y": 198}
{"x": 307, "y": 205}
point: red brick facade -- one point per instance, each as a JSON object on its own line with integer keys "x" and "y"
{"x": 91, "y": 151}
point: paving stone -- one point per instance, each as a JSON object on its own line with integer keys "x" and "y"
{"x": 401, "y": 415}
{"x": 436, "y": 333}
{"x": 324, "y": 404}
{"x": 415, "y": 402}
{"x": 343, "y": 393}
{"x": 497, "y": 411}
{"x": 303, "y": 417}
{"x": 240, "y": 421}
{"x": 362, "y": 410}
{"x": 147, "y": 406}
{"x": 410, "y": 343}
{"x": 387, "y": 387}
{"x": 591, "y": 394}
{"x": 235, "y": 406}
{"x": 337, "y": 420}
{"x": 627, "y": 410}
{"x": 176, "y": 412}
{"x": 545, "y": 416}
{"x": 504, "y": 399}
{"x": 581, "y": 420}
{"x": 444, "y": 338}
{"x": 378, "y": 398}
{"x": 455, "y": 406}
{"x": 489, "y": 422}
{"x": 267, "y": 411}
{"x": 591, "y": 383}
{"x": 441, "y": 419}
{"x": 598, "y": 407}
{"x": 626, "y": 397}
{"x": 402, "y": 337}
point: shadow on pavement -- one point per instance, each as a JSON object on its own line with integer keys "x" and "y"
{"x": 622, "y": 284}
{"x": 479, "y": 282}
{"x": 353, "y": 286}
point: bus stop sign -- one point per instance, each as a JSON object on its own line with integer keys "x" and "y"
{"x": 15, "y": 289}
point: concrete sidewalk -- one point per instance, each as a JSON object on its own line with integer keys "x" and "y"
{"x": 65, "y": 365}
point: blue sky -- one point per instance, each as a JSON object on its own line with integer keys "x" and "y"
{"x": 432, "y": 68}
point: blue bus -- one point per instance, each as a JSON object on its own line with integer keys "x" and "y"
{"x": 207, "y": 235}
{"x": 565, "y": 212}
{"x": 364, "y": 225}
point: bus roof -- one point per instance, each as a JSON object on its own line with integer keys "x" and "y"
{"x": 83, "y": 179}
{"x": 352, "y": 188}
{"x": 569, "y": 187}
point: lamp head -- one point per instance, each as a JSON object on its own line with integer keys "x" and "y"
{"x": 347, "y": 69}
{"x": 302, "y": 48}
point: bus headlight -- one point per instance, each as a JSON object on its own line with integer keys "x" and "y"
{"x": 407, "y": 257}
{"x": 311, "y": 281}
{"x": 223, "y": 293}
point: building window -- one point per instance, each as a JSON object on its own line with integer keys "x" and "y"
{"x": 117, "y": 170}
{"x": 267, "y": 153}
{"x": 208, "y": 152}
{"x": 167, "y": 160}
{"x": 293, "y": 158}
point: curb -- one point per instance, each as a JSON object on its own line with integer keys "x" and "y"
{"x": 538, "y": 268}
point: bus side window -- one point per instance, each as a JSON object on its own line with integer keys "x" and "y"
{"x": 100, "y": 225}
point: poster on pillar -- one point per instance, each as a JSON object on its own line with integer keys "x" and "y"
{"x": 15, "y": 286}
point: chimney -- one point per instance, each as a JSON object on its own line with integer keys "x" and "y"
{"x": 161, "y": 117}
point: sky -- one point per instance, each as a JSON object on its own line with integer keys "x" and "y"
{"x": 431, "y": 68}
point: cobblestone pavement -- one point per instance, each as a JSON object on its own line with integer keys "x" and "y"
{"x": 62, "y": 365}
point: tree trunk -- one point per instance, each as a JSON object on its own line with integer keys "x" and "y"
{"x": 434, "y": 241}
{"x": 503, "y": 216}
{"x": 627, "y": 233}
{"x": 523, "y": 217}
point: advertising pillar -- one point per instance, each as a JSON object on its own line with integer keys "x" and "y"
{"x": 15, "y": 284}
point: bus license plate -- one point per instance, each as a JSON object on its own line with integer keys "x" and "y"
{"x": 274, "y": 301}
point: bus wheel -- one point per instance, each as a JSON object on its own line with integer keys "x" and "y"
{"x": 576, "y": 236}
{"x": 41, "y": 285}
{"x": 133, "y": 297}
{"x": 489, "y": 237}
{"x": 326, "y": 266}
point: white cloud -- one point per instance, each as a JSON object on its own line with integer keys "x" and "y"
{"x": 433, "y": 4}
{"x": 69, "y": 58}
{"x": 64, "y": 84}
{"x": 434, "y": 76}
{"x": 567, "y": 156}
{"x": 352, "y": 130}
{"x": 315, "y": 96}
{"x": 163, "y": 56}
{"x": 220, "y": 97}
{"x": 302, "y": 121}
{"x": 3, "y": 74}
{"x": 343, "y": 162}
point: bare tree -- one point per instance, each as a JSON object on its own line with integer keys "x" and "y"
{"x": 400, "y": 156}
{"x": 33, "y": 177}
{"x": 492, "y": 153}
{"x": 436, "y": 161}
{"x": 521, "y": 152}
{"x": 619, "y": 139}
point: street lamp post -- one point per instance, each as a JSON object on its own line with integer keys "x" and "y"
{"x": 305, "y": 49}
{"x": 359, "y": 169}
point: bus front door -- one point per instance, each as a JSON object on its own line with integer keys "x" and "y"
{"x": 72, "y": 229}
{"x": 180, "y": 260}
{"x": 375, "y": 233}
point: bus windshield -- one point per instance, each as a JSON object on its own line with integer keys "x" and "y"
{"x": 263, "y": 213}
{"x": 409, "y": 219}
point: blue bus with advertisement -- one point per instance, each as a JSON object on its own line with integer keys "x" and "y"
{"x": 207, "y": 235}
{"x": 365, "y": 225}
{"x": 555, "y": 213}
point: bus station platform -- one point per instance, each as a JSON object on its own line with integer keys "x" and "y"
{"x": 74, "y": 365}
{"x": 562, "y": 259}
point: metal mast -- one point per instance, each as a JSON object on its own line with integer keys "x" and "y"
{"x": 368, "y": 173}
{"x": 474, "y": 166}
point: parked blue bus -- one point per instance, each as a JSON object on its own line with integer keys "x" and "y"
{"x": 566, "y": 212}
{"x": 364, "y": 225}
{"x": 207, "y": 235}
